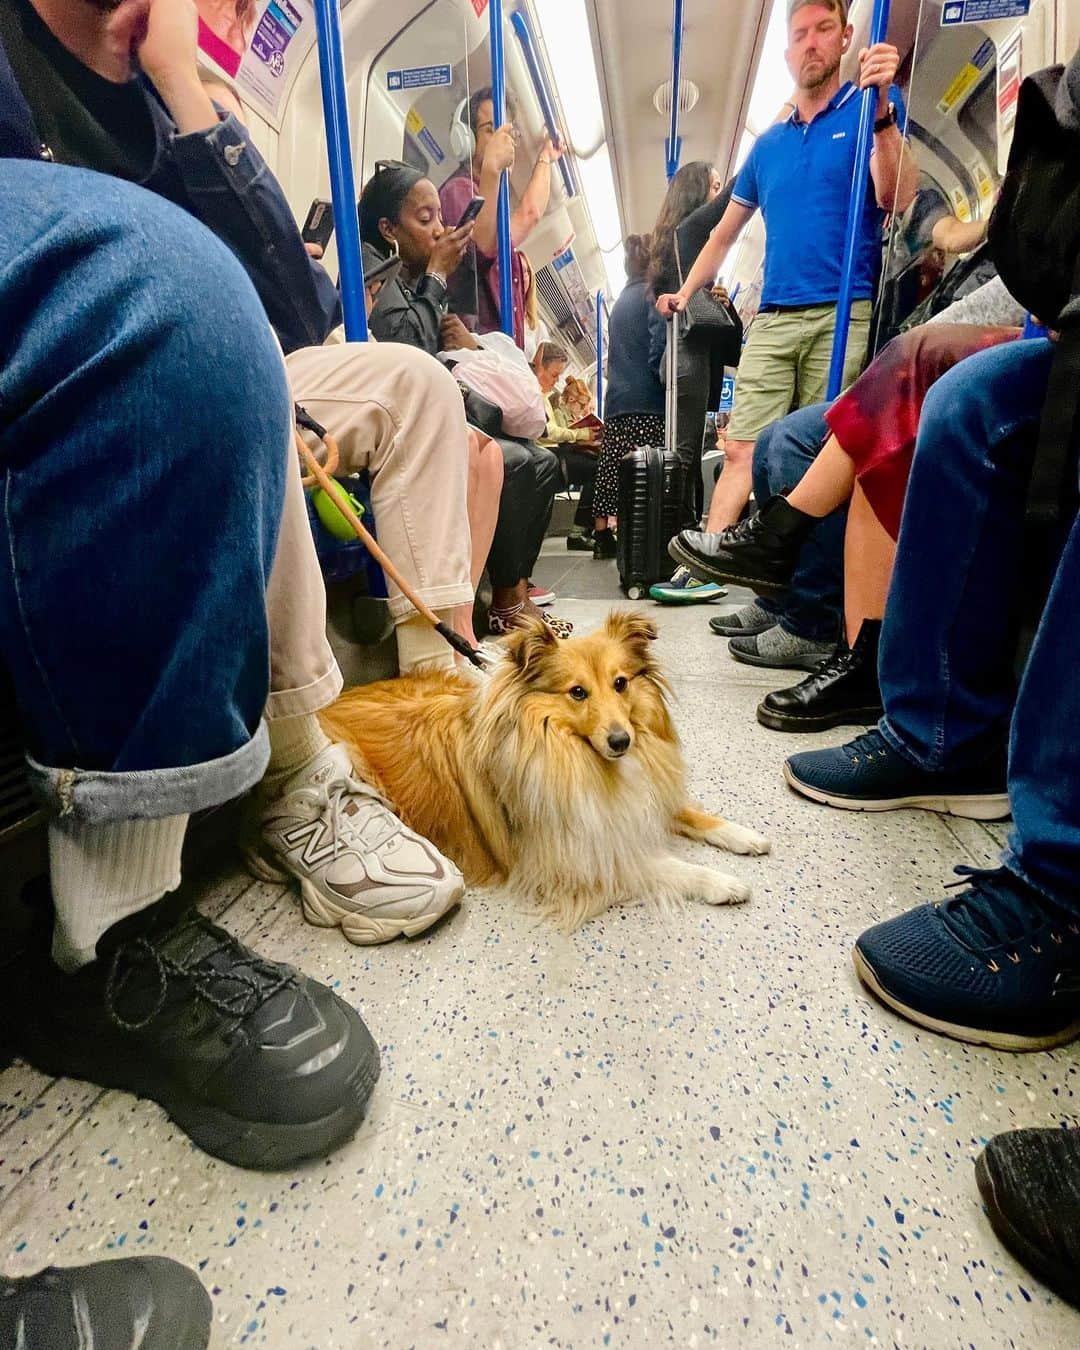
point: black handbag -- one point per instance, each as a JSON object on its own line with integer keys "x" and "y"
{"x": 710, "y": 320}
{"x": 480, "y": 412}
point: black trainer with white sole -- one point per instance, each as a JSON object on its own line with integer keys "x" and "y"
{"x": 761, "y": 551}
{"x": 257, "y": 1064}
{"x": 148, "y": 1302}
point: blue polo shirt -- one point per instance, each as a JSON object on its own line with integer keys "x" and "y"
{"x": 799, "y": 174}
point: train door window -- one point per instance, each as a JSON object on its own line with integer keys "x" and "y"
{"x": 417, "y": 115}
{"x": 961, "y": 80}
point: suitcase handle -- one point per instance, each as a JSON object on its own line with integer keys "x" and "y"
{"x": 671, "y": 400}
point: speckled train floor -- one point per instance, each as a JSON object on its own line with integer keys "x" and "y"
{"x": 682, "y": 1131}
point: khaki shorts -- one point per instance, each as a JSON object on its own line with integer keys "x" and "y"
{"x": 785, "y": 364}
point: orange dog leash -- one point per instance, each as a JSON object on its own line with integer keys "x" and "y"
{"x": 320, "y": 476}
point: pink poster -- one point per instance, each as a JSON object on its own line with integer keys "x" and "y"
{"x": 258, "y": 43}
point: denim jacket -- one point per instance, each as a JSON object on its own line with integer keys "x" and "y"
{"x": 221, "y": 179}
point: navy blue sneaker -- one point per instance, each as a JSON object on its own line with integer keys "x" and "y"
{"x": 999, "y": 965}
{"x": 867, "y": 774}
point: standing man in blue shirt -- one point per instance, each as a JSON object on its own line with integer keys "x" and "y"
{"x": 799, "y": 174}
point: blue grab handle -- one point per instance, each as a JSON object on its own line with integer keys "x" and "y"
{"x": 879, "y": 27}
{"x": 522, "y": 31}
{"x": 342, "y": 181}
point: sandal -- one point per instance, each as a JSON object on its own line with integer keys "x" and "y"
{"x": 503, "y": 621}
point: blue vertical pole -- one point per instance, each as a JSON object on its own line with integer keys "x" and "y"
{"x": 864, "y": 144}
{"x": 498, "y": 91}
{"x": 600, "y": 354}
{"x": 342, "y": 181}
{"x": 673, "y": 146}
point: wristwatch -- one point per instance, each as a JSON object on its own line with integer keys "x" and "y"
{"x": 889, "y": 120}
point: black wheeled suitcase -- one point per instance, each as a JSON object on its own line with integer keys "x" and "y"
{"x": 650, "y": 497}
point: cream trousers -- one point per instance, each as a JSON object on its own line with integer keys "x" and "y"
{"x": 396, "y": 412}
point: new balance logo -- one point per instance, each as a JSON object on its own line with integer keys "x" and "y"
{"x": 317, "y": 838}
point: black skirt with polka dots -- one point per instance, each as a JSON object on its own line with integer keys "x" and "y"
{"x": 621, "y": 435}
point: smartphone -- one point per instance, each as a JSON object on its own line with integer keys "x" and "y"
{"x": 319, "y": 225}
{"x": 471, "y": 212}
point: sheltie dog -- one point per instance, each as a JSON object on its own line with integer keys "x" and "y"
{"x": 559, "y": 775}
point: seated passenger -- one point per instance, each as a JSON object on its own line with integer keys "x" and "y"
{"x": 72, "y": 88}
{"x": 476, "y": 288}
{"x": 400, "y": 216}
{"x": 576, "y": 447}
{"x": 399, "y": 211}
{"x": 867, "y": 459}
{"x": 133, "y": 621}
{"x": 999, "y": 963}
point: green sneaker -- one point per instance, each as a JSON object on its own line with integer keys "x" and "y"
{"x": 683, "y": 589}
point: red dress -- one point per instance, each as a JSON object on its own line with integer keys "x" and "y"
{"x": 877, "y": 419}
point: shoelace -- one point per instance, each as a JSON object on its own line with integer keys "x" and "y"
{"x": 742, "y": 532}
{"x": 870, "y": 745}
{"x": 249, "y": 981}
{"x": 995, "y": 911}
{"x": 370, "y": 825}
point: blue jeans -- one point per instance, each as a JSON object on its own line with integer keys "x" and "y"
{"x": 949, "y": 638}
{"x": 813, "y": 605}
{"x": 144, "y": 432}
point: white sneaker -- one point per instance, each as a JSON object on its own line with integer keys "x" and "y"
{"x": 359, "y": 867}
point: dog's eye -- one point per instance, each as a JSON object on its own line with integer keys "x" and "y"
{"x": 578, "y": 694}
{"x": 621, "y": 684}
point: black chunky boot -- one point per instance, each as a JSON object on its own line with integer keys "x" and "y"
{"x": 842, "y": 691}
{"x": 760, "y": 552}
{"x": 145, "y": 1301}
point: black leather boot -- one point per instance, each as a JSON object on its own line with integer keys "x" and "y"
{"x": 842, "y": 691}
{"x": 760, "y": 552}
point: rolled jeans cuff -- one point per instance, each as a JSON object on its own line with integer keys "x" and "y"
{"x": 95, "y": 797}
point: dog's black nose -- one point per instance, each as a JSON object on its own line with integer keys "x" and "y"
{"x": 618, "y": 742}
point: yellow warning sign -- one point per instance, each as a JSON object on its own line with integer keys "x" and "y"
{"x": 961, "y": 206}
{"x": 963, "y": 83}
{"x": 414, "y": 123}
{"x": 980, "y": 176}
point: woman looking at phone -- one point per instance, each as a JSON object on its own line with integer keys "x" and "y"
{"x": 400, "y": 215}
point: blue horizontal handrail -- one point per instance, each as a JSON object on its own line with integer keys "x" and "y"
{"x": 523, "y": 33}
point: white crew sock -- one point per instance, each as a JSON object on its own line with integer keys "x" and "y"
{"x": 294, "y": 742}
{"x": 420, "y": 648}
{"x": 101, "y": 874}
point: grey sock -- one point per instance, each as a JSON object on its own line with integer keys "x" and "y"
{"x": 750, "y": 616}
{"x": 777, "y": 642}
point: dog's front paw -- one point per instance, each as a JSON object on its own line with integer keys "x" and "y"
{"x": 737, "y": 839}
{"x": 717, "y": 888}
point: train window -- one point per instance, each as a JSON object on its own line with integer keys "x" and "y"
{"x": 417, "y": 108}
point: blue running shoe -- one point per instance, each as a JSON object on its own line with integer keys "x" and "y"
{"x": 683, "y": 589}
{"x": 867, "y": 774}
{"x": 999, "y": 965}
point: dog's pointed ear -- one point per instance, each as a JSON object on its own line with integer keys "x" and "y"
{"x": 632, "y": 626}
{"x": 529, "y": 644}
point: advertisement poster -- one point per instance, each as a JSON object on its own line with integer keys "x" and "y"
{"x": 1008, "y": 89}
{"x": 258, "y": 43}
